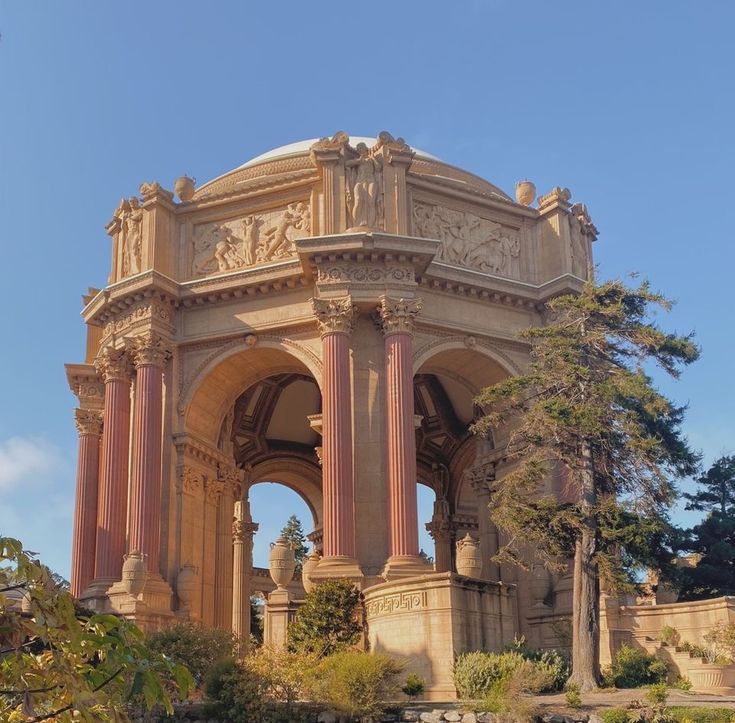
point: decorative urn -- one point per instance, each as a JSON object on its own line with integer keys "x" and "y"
{"x": 525, "y": 192}
{"x": 307, "y": 569}
{"x": 184, "y": 187}
{"x": 281, "y": 562}
{"x": 185, "y": 583}
{"x": 134, "y": 572}
{"x": 469, "y": 557}
{"x": 540, "y": 585}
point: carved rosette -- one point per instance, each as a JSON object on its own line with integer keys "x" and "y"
{"x": 334, "y": 315}
{"x": 150, "y": 349}
{"x": 113, "y": 365}
{"x": 88, "y": 421}
{"x": 397, "y": 315}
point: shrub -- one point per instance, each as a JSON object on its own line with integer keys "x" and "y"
{"x": 657, "y": 694}
{"x": 354, "y": 683}
{"x": 196, "y": 647}
{"x": 573, "y": 697}
{"x": 700, "y": 714}
{"x": 283, "y": 674}
{"x": 682, "y": 683}
{"x": 327, "y": 620}
{"x": 475, "y": 673}
{"x": 614, "y": 715}
{"x": 634, "y": 667}
{"x": 413, "y": 686}
{"x": 670, "y": 635}
{"x": 720, "y": 643}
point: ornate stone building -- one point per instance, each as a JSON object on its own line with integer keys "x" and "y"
{"x": 321, "y": 317}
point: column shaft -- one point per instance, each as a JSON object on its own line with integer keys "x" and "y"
{"x": 89, "y": 424}
{"x": 337, "y": 475}
{"x": 113, "y": 490}
{"x": 404, "y": 538}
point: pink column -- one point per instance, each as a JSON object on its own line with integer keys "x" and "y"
{"x": 150, "y": 353}
{"x": 89, "y": 426}
{"x": 114, "y": 366}
{"x": 397, "y": 318}
{"x": 335, "y": 318}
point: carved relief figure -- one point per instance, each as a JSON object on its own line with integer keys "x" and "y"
{"x": 365, "y": 187}
{"x": 468, "y": 240}
{"x": 131, "y": 218}
{"x": 217, "y": 247}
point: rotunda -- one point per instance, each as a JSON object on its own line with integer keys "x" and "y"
{"x": 321, "y": 317}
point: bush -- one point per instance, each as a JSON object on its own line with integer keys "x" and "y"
{"x": 196, "y": 647}
{"x": 355, "y": 684}
{"x": 283, "y": 674}
{"x": 413, "y": 686}
{"x": 573, "y": 698}
{"x": 614, "y": 715}
{"x": 720, "y": 643}
{"x": 634, "y": 667}
{"x": 670, "y": 636}
{"x": 682, "y": 683}
{"x": 657, "y": 694}
{"x": 700, "y": 714}
{"x": 327, "y": 620}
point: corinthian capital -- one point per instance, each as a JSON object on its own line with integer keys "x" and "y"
{"x": 397, "y": 315}
{"x": 150, "y": 349}
{"x": 242, "y": 529}
{"x": 334, "y": 314}
{"x": 88, "y": 421}
{"x": 113, "y": 364}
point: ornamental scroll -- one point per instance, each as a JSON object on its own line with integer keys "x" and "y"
{"x": 468, "y": 240}
{"x": 244, "y": 242}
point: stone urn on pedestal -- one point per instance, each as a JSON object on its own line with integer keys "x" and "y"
{"x": 134, "y": 573}
{"x": 307, "y": 569}
{"x": 281, "y": 562}
{"x": 540, "y": 585}
{"x": 184, "y": 187}
{"x": 469, "y": 557}
{"x": 185, "y": 583}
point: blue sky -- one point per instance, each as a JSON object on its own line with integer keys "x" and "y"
{"x": 630, "y": 105}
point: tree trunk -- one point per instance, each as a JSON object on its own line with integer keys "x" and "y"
{"x": 586, "y": 598}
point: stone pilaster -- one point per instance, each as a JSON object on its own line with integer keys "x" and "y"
{"x": 481, "y": 479}
{"x": 113, "y": 365}
{"x": 89, "y": 426}
{"x": 397, "y": 318}
{"x": 150, "y": 353}
{"x": 442, "y": 533}
{"x": 335, "y": 318}
{"x": 243, "y": 530}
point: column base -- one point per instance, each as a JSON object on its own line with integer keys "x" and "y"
{"x": 94, "y": 596}
{"x": 279, "y": 612}
{"x": 335, "y": 567}
{"x": 400, "y": 566}
{"x": 150, "y": 609}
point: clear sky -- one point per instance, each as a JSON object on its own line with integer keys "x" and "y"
{"x": 631, "y": 105}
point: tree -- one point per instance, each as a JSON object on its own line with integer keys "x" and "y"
{"x": 713, "y": 539}
{"x": 327, "y": 620}
{"x": 587, "y": 408}
{"x": 58, "y": 664}
{"x": 293, "y": 532}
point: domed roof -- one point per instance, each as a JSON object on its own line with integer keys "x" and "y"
{"x": 295, "y": 157}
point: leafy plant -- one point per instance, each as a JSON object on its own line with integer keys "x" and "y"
{"x": 670, "y": 635}
{"x": 413, "y": 686}
{"x": 61, "y": 665}
{"x": 327, "y": 620}
{"x": 633, "y": 667}
{"x": 657, "y": 694}
{"x": 720, "y": 643}
{"x": 614, "y": 715}
{"x": 572, "y": 696}
{"x": 682, "y": 683}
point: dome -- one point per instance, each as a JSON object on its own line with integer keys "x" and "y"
{"x": 296, "y": 157}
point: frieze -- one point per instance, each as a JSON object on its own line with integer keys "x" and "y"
{"x": 469, "y": 240}
{"x": 142, "y": 313}
{"x": 361, "y": 273}
{"x": 254, "y": 239}
{"x": 395, "y": 603}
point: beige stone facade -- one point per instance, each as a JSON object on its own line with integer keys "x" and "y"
{"x": 321, "y": 317}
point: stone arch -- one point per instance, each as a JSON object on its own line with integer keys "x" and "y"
{"x": 229, "y": 371}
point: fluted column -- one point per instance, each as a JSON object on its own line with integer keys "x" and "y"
{"x": 89, "y": 426}
{"x": 397, "y": 317}
{"x": 114, "y": 367}
{"x": 243, "y": 529}
{"x": 335, "y": 319}
{"x": 150, "y": 353}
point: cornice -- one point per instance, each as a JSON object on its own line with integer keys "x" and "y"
{"x": 194, "y": 448}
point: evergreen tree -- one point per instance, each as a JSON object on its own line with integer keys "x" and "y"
{"x": 293, "y": 531}
{"x": 714, "y": 537}
{"x": 587, "y": 408}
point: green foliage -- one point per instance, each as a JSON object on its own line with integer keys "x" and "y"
{"x": 696, "y": 651}
{"x": 572, "y": 696}
{"x": 614, "y": 715}
{"x": 413, "y": 686}
{"x": 476, "y": 673}
{"x": 633, "y": 667}
{"x": 194, "y": 646}
{"x": 720, "y": 642}
{"x": 293, "y": 532}
{"x": 256, "y": 621}
{"x": 327, "y": 620}
{"x": 682, "y": 683}
{"x": 700, "y": 714}
{"x": 670, "y": 635}
{"x": 658, "y": 694}
{"x": 356, "y": 684}
{"x": 66, "y": 666}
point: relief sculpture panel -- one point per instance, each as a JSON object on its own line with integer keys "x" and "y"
{"x": 469, "y": 240}
{"x": 257, "y": 238}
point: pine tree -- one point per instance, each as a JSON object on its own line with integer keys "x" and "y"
{"x": 714, "y": 537}
{"x": 588, "y": 409}
{"x": 293, "y": 531}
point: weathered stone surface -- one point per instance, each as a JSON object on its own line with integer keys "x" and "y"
{"x": 469, "y": 718}
{"x": 327, "y": 716}
{"x": 452, "y": 716}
